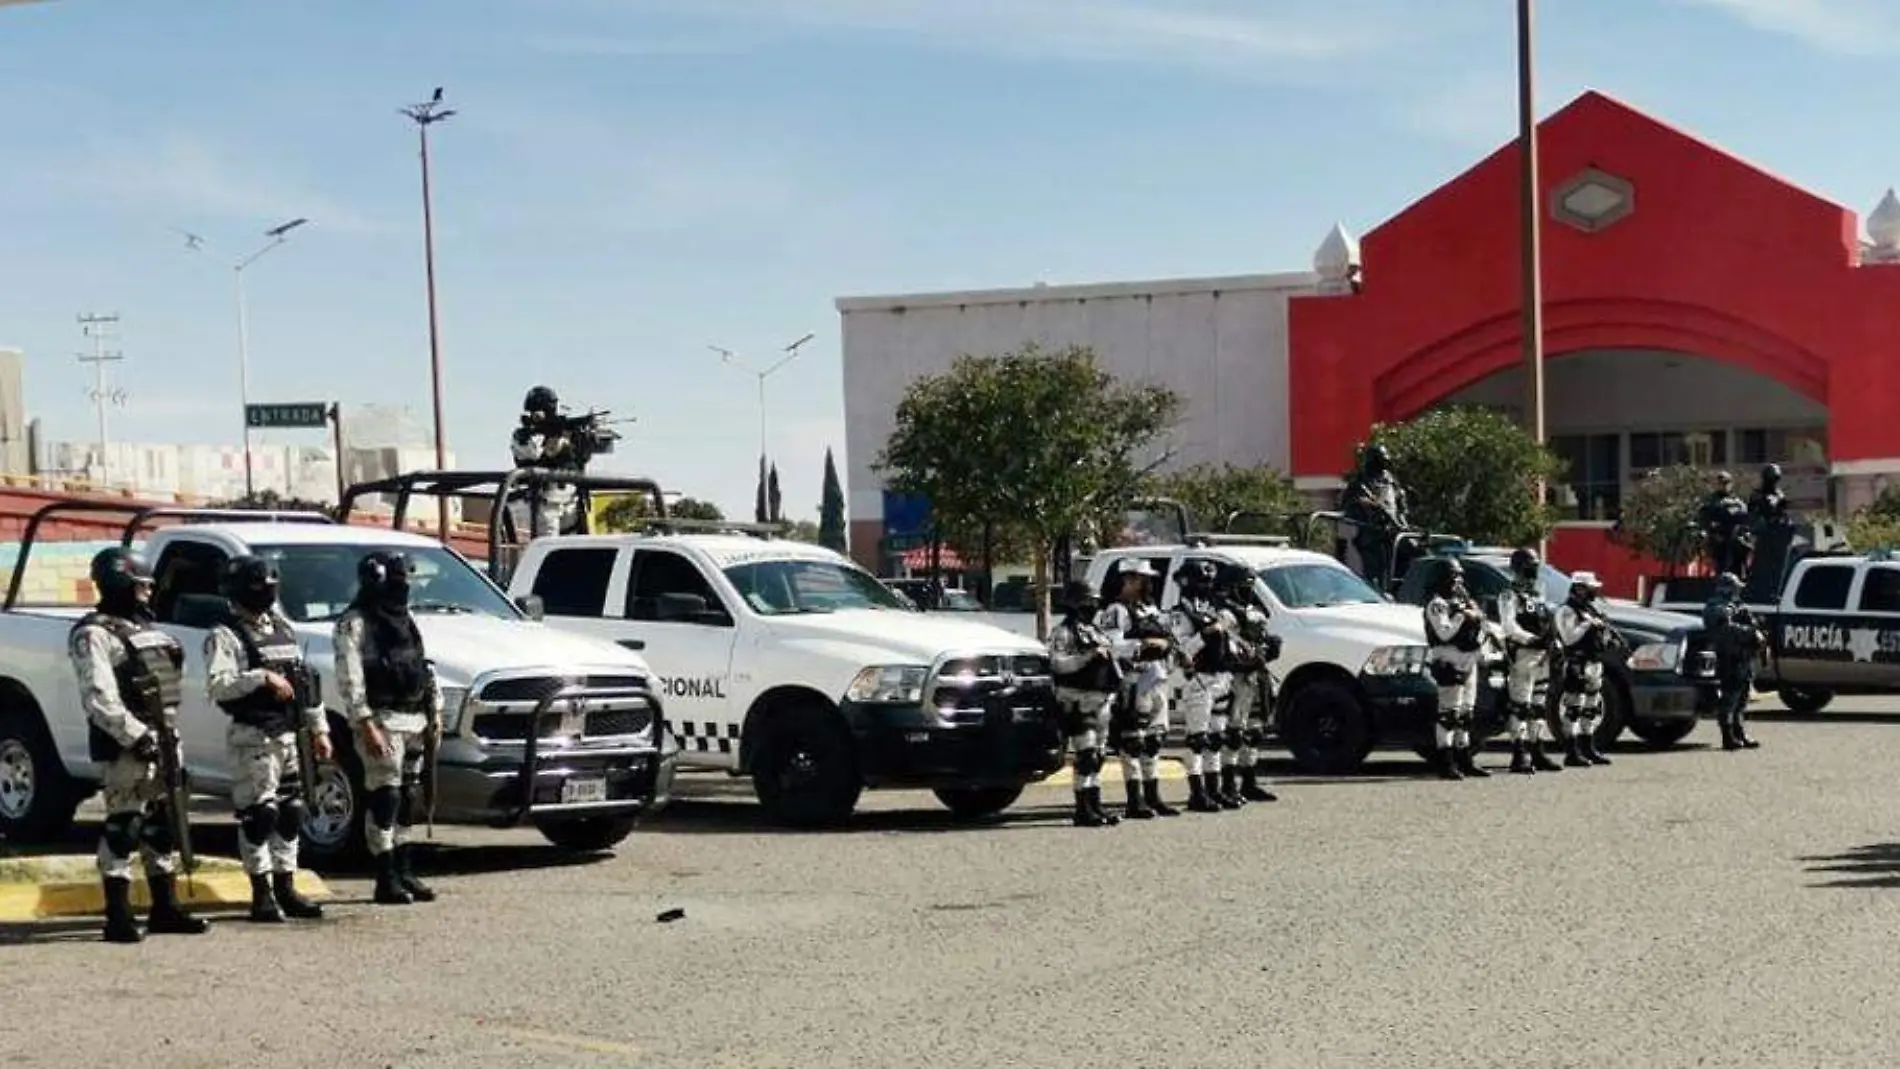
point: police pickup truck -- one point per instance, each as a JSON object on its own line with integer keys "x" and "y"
{"x": 1655, "y": 689}
{"x": 599, "y": 759}
{"x": 1351, "y": 675}
{"x": 1833, "y": 626}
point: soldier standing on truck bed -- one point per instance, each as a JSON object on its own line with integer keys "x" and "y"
{"x": 1528, "y": 634}
{"x": 130, "y": 681}
{"x": 1375, "y": 504}
{"x": 1737, "y": 639}
{"x": 255, "y": 673}
{"x": 391, "y": 698}
{"x": 1144, "y": 646}
{"x": 1087, "y": 679}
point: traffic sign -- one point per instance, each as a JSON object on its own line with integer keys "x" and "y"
{"x": 300, "y": 414}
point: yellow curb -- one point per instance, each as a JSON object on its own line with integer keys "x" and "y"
{"x": 40, "y": 888}
{"x": 1170, "y": 768}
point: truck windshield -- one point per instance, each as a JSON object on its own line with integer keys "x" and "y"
{"x": 317, "y": 582}
{"x": 786, "y": 587}
{"x": 1317, "y": 586}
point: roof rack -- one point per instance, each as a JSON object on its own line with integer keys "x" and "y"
{"x": 1210, "y": 538}
{"x": 683, "y": 526}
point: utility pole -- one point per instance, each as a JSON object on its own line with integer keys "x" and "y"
{"x": 1530, "y": 227}
{"x": 99, "y": 328}
{"x": 424, "y": 116}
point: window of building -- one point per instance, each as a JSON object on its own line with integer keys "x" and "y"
{"x": 1661, "y": 449}
{"x": 1593, "y": 474}
{"x": 1825, "y": 587}
{"x": 1780, "y": 445}
{"x": 573, "y": 582}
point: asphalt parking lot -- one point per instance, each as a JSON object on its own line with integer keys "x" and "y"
{"x": 1684, "y": 908}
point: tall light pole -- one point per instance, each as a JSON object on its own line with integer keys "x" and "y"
{"x": 726, "y": 356}
{"x": 1530, "y": 227}
{"x": 276, "y": 235}
{"x": 426, "y": 115}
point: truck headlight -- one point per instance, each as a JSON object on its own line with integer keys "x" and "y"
{"x": 889, "y": 684}
{"x": 1656, "y": 657}
{"x": 1397, "y": 660}
{"x": 454, "y": 699}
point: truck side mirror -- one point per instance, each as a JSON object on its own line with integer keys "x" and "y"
{"x": 532, "y": 605}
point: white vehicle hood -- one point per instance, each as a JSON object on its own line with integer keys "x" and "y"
{"x": 1376, "y": 625}
{"x": 916, "y": 637}
{"x": 464, "y": 644}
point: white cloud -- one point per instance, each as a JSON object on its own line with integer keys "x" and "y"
{"x": 1847, "y": 27}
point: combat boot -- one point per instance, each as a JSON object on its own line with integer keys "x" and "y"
{"x": 1137, "y": 805}
{"x": 1230, "y": 787}
{"x": 1590, "y": 751}
{"x": 1220, "y": 790}
{"x": 1108, "y": 819}
{"x": 120, "y": 927}
{"x": 1084, "y": 816}
{"x": 295, "y": 905}
{"x": 1250, "y": 788}
{"x": 1521, "y": 759}
{"x": 167, "y": 916}
{"x": 389, "y": 889}
{"x": 406, "y": 874}
{"x": 1573, "y": 756}
{"x": 1466, "y": 756}
{"x": 1446, "y": 765}
{"x": 1741, "y": 735}
{"x": 1151, "y": 792}
{"x": 263, "y": 901}
{"x": 1540, "y": 761}
{"x": 1198, "y": 801}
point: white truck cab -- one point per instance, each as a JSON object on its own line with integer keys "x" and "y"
{"x": 787, "y": 662}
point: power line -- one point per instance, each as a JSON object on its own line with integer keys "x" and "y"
{"x": 100, "y": 328}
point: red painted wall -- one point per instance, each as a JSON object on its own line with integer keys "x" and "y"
{"x": 1717, "y": 259}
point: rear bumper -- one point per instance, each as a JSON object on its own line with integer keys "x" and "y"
{"x": 491, "y": 792}
{"x": 911, "y": 746}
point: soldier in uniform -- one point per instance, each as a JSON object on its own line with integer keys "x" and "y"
{"x": 130, "y": 677}
{"x": 1723, "y": 518}
{"x": 1737, "y": 638}
{"x": 541, "y": 442}
{"x": 1144, "y": 646}
{"x": 1768, "y": 505}
{"x": 390, "y": 697}
{"x": 1087, "y": 679}
{"x": 1375, "y": 504}
{"x": 1528, "y": 635}
{"x": 1585, "y": 637}
{"x": 1252, "y": 689}
{"x": 255, "y": 673}
{"x": 1455, "y": 627}
{"x": 1204, "y": 641}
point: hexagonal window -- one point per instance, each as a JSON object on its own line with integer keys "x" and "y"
{"x": 1593, "y": 200}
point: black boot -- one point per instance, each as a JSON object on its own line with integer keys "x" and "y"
{"x": 1468, "y": 762}
{"x": 1590, "y": 751}
{"x": 167, "y": 916}
{"x": 406, "y": 874}
{"x": 1250, "y": 788}
{"x": 295, "y": 905}
{"x": 389, "y": 889}
{"x": 1108, "y": 819}
{"x": 264, "y": 908}
{"x": 1540, "y": 761}
{"x": 1573, "y": 757}
{"x": 1741, "y": 735}
{"x": 1137, "y": 805}
{"x": 1220, "y": 787}
{"x": 1447, "y": 766}
{"x": 1521, "y": 759}
{"x": 1198, "y": 801}
{"x": 120, "y": 927}
{"x": 1151, "y": 791}
{"x": 1084, "y": 816}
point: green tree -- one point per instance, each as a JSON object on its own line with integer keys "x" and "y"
{"x": 803, "y": 531}
{"x": 1659, "y": 515}
{"x": 629, "y": 512}
{"x": 1214, "y": 492}
{"x": 1473, "y": 473}
{"x": 1041, "y": 442}
{"x": 272, "y": 501}
{"x": 831, "y": 521}
{"x": 773, "y": 500}
{"x": 1878, "y": 525}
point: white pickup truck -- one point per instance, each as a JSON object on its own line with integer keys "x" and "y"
{"x": 789, "y": 663}
{"x": 599, "y": 759}
{"x": 1351, "y": 675}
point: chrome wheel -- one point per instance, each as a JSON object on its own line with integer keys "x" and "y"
{"x": 17, "y": 781}
{"x": 332, "y": 809}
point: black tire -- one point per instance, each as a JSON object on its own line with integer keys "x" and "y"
{"x": 37, "y": 798}
{"x": 1326, "y": 728}
{"x": 333, "y": 827}
{"x": 975, "y": 803}
{"x": 804, "y": 766}
{"x": 1661, "y": 734}
{"x": 1804, "y": 700}
{"x": 586, "y": 834}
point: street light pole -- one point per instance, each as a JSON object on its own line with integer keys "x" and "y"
{"x": 726, "y": 356}
{"x": 276, "y": 235}
{"x": 425, "y": 115}
{"x": 1530, "y": 226}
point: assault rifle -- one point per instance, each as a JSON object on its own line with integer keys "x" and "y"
{"x": 307, "y": 693}
{"x": 171, "y": 775}
{"x": 431, "y": 753}
{"x": 592, "y": 434}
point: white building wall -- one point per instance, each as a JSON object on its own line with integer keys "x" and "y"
{"x": 1220, "y": 343}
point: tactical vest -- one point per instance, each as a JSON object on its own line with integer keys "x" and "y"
{"x": 1145, "y": 623}
{"x": 1469, "y": 635}
{"x": 1533, "y": 614}
{"x": 395, "y": 673}
{"x": 278, "y": 653}
{"x": 150, "y": 679}
{"x": 1591, "y": 646}
{"x": 1100, "y": 675}
{"x": 1216, "y": 654}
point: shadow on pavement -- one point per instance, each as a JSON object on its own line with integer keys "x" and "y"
{"x": 1826, "y": 716}
{"x": 1874, "y": 866}
{"x": 693, "y": 816}
{"x": 65, "y": 930}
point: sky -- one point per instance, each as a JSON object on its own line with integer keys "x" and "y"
{"x": 627, "y": 183}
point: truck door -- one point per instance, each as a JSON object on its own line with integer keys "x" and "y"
{"x": 1874, "y": 641}
{"x": 1812, "y": 629}
{"x": 689, "y": 631}
{"x": 186, "y": 602}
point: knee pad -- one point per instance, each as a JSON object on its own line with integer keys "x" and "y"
{"x": 1253, "y": 737}
{"x": 290, "y": 816}
{"x": 1151, "y": 746}
{"x": 156, "y": 832}
{"x": 1233, "y": 737}
{"x": 1088, "y": 762}
{"x": 121, "y": 833}
{"x": 1197, "y": 742}
{"x": 382, "y": 806}
{"x": 258, "y": 822}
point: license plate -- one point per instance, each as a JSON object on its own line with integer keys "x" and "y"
{"x": 581, "y": 791}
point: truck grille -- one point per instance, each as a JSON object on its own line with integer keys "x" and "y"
{"x": 971, "y": 689}
{"x": 502, "y": 709}
{"x": 534, "y": 688}
{"x": 1698, "y": 656}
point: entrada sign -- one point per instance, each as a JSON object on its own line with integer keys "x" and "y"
{"x": 297, "y": 415}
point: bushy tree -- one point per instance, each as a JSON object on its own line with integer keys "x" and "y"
{"x": 1877, "y": 525}
{"x": 1044, "y": 443}
{"x": 629, "y": 512}
{"x": 272, "y": 501}
{"x": 1659, "y": 515}
{"x": 832, "y": 533}
{"x": 1471, "y": 472}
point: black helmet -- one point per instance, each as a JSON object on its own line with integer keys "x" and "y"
{"x": 1728, "y": 584}
{"x": 541, "y": 401}
{"x": 250, "y": 582}
{"x": 1375, "y": 458}
{"x": 1452, "y": 577}
{"x": 1199, "y": 574}
{"x": 1724, "y": 479}
{"x": 1525, "y": 564}
{"x": 1771, "y": 474}
{"x": 1079, "y": 597}
{"x": 383, "y": 577}
{"x": 119, "y": 575}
